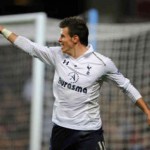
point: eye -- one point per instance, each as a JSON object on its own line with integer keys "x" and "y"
{"x": 62, "y": 36}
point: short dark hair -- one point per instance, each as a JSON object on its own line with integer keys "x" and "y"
{"x": 76, "y": 26}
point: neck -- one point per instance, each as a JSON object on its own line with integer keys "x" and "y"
{"x": 78, "y": 51}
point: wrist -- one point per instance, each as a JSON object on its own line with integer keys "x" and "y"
{"x": 6, "y": 33}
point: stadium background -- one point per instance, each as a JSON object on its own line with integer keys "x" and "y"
{"x": 125, "y": 126}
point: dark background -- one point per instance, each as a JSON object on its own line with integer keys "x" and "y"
{"x": 119, "y": 10}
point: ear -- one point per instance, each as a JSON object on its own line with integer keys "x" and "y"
{"x": 75, "y": 39}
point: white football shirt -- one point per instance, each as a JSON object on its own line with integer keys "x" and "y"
{"x": 77, "y": 84}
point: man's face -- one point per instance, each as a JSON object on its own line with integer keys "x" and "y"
{"x": 66, "y": 42}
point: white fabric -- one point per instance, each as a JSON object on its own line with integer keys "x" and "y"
{"x": 77, "y": 84}
{"x": 6, "y": 33}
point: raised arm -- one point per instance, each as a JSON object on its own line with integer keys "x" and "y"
{"x": 34, "y": 49}
{"x": 10, "y": 36}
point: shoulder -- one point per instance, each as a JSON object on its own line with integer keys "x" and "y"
{"x": 106, "y": 60}
{"x": 55, "y": 49}
{"x": 56, "y": 52}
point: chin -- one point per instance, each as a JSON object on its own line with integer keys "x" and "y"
{"x": 63, "y": 51}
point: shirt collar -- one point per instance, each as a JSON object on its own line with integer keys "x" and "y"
{"x": 90, "y": 50}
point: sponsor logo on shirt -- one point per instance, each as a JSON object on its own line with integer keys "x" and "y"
{"x": 73, "y": 77}
{"x": 72, "y": 86}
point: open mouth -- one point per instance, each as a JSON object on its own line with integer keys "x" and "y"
{"x": 62, "y": 46}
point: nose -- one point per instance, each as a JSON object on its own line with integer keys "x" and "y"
{"x": 59, "y": 40}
